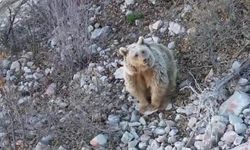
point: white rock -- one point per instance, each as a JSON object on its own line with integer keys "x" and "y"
{"x": 218, "y": 128}
{"x": 41, "y": 146}
{"x": 132, "y": 144}
{"x": 133, "y": 132}
{"x": 199, "y": 145}
{"x": 90, "y": 28}
{"x": 162, "y": 139}
{"x": 26, "y": 70}
{"x": 238, "y": 140}
{"x": 240, "y": 128}
{"x": 16, "y": 66}
{"x": 179, "y": 145}
{"x": 30, "y": 63}
{"x": 192, "y": 121}
{"x": 119, "y": 73}
{"x": 175, "y": 28}
{"x": 169, "y": 147}
{"x": 233, "y": 119}
{"x": 113, "y": 119}
{"x": 142, "y": 145}
{"x": 154, "y": 145}
{"x": 100, "y": 32}
{"x": 144, "y": 138}
{"x": 157, "y": 25}
{"x": 134, "y": 117}
{"x": 235, "y": 104}
{"x": 242, "y": 81}
{"x": 235, "y": 66}
{"x": 153, "y": 1}
{"x": 142, "y": 121}
{"x": 51, "y": 89}
{"x": 129, "y": 2}
{"x": 171, "y": 45}
{"x": 218, "y": 118}
{"x": 173, "y": 132}
{"x": 246, "y": 112}
{"x": 6, "y": 64}
{"x": 229, "y": 137}
{"x": 127, "y": 137}
{"x": 162, "y": 123}
{"x": 153, "y": 39}
{"x": 171, "y": 139}
{"x": 159, "y": 131}
{"x": 37, "y": 75}
{"x": 61, "y": 148}
{"x": 245, "y": 146}
{"x": 99, "y": 140}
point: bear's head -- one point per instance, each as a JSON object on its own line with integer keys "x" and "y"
{"x": 137, "y": 56}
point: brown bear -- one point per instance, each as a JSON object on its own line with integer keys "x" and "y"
{"x": 150, "y": 73}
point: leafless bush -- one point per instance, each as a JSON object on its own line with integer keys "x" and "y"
{"x": 221, "y": 26}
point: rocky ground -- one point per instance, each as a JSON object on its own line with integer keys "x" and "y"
{"x": 92, "y": 110}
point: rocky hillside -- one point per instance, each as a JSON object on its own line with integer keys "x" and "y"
{"x": 61, "y": 77}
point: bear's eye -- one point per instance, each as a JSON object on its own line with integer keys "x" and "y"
{"x": 143, "y": 52}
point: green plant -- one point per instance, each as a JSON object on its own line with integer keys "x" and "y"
{"x": 134, "y": 16}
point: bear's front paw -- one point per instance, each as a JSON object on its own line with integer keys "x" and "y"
{"x": 150, "y": 110}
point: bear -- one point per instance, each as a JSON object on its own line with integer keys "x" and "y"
{"x": 149, "y": 74}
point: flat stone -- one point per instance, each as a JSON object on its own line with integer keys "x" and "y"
{"x": 157, "y": 25}
{"x": 238, "y": 140}
{"x": 142, "y": 121}
{"x": 199, "y": 145}
{"x": 162, "y": 139}
{"x": 134, "y": 117}
{"x": 99, "y": 140}
{"x": 132, "y": 144}
{"x": 229, "y": 137}
{"x": 144, "y": 138}
{"x": 100, "y": 32}
{"x": 175, "y": 28}
{"x": 233, "y": 119}
{"x": 119, "y": 73}
{"x": 245, "y": 146}
{"x": 159, "y": 131}
{"x": 142, "y": 145}
{"x": 154, "y": 145}
{"x": 218, "y": 118}
{"x": 16, "y": 66}
{"x": 171, "y": 139}
{"x": 171, "y": 45}
{"x": 242, "y": 81}
{"x": 240, "y": 128}
{"x": 6, "y": 64}
{"x": 113, "y": 119}
{"x": 192, "y": 121}
{"x": 127, "y": 137}
{"x": 235, "y": 104}
{"x": 129, "y": 2}
{"x": 41, "y": 146}
{"x": 169, "y": 147}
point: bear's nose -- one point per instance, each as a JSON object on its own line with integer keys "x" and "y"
{"x": 145, "y": 60}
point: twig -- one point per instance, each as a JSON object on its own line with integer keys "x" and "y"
{"x": 189, "y": 87}
{"x": 244, "y": 65}
{"x": 195, "y": 81}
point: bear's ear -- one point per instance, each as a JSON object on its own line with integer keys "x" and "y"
{"x": 123, "y": 51}
{"x": 140, "y": 40}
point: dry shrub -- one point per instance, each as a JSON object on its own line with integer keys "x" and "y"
{"x": 221, "y": 27}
